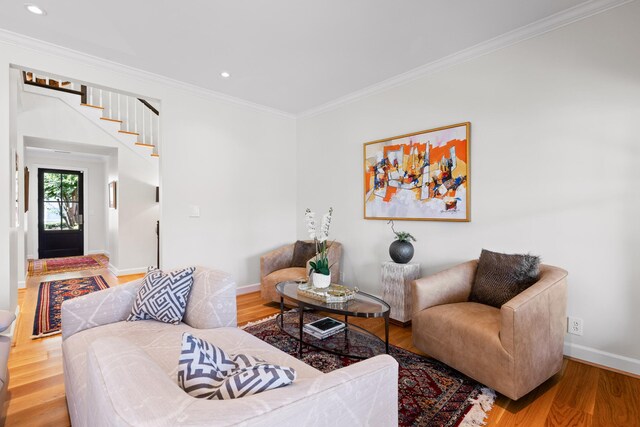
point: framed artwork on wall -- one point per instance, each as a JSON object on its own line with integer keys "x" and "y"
{"x": 113, "y": 195}
{"x": 421, "y": 176}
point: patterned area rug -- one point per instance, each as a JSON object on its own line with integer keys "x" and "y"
{"x": 40, "y": 267}
{"x": 52, "y": 294}
{"x": 429, "y": 392}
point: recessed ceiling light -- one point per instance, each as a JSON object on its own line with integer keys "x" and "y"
{"x": 35, "y": 9}
{"x": 225, "y": 74}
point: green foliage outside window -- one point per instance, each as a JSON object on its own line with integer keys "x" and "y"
{"x": 61, "y": 194}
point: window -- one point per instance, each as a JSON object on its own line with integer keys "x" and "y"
{"x": 61, "y": 201}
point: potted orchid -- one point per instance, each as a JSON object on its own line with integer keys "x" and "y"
{"x": 319, "y": 268}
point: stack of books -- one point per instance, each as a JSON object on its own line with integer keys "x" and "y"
{"x": 324, "y": 328}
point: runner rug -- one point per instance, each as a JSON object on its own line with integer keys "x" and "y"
{"x": 40, "y": 267}
{"x": 429, "y": 392}
{"x": 52, "y": 294}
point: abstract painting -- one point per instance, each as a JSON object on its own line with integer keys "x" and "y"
{"x": 420, "y": 176}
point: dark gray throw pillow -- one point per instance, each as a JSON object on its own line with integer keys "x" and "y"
{"x": 303, "y": 252}
{"x": 500, "y": 277}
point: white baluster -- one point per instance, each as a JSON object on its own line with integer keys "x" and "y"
{"x": 118, "y": 100}
{"x": 110, "y": 106}
{"x": 126, "y": 102}
{"x": 135, "y": 115}
{"x": 90, "y": 89}
{"x": 150, "y": 127}
{"x": 144, "y": 131}
{"x": 157, "y": 130}
{"x": 100, "y": 92}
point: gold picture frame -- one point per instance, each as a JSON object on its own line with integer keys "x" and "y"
{"x": 419, "y": 176}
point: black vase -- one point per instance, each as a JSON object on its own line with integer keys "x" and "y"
{"x": 401, "y": 252}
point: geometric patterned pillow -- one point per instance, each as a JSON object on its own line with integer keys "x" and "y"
{"x": 163, "y": 296}
{"x": 206, "y": 371}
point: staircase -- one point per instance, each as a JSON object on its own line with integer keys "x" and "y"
{"x": 132, "y": 121}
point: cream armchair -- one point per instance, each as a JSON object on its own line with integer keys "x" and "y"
{"x": 275, "y": 267}
{"x": 6, "y": 319}
{"x": 512, "y": 349}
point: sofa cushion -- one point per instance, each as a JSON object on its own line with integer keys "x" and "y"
{"x": 500, "y": 277}
{"x": 207, "y": 371}
{"x": 163, "y": 296}
{"x": 302, "y": 252}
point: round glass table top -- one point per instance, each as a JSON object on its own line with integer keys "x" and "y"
{"x": 363, "y": 305}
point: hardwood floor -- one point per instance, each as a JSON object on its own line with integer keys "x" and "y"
{"x": 581, "y": 395}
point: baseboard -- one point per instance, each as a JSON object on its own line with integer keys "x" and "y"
{"x": 247, "y": 289}
{"x": 113, "y": 270}
{"x": 22, "y": 284}
{"x": 98, "y": 252}
{"x": 126, "y": 271}
{"x": 603, "y": 358}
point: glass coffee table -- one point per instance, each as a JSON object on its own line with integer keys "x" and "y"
{"x": 354, "y": 341}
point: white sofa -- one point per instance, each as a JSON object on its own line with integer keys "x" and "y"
{"x": 120, "y": 373}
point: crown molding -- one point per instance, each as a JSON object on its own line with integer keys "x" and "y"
{"x": 518, "y": 35}
{"x": 43, "y": 47}
{"x": 521, "y": 34}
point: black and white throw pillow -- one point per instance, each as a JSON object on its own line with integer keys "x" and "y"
{"x": 206, "y": 371}
{"x": 163, "y": 296}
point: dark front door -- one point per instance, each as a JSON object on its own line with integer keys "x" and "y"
{"x": 60, "y": 213}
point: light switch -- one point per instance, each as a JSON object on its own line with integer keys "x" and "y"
{"x": 194, "y": 211}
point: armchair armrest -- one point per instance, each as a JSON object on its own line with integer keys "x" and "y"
{"x": 98, "y": 308}
{"x": 6, "y": 319}
{"x": 536, "y": 315}
{"x": 121, "y": 374}
{"x": 446, "y": 287}
{"x": 276, "y": 260}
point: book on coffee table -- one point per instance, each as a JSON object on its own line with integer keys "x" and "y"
{"x": 323, "y": 328}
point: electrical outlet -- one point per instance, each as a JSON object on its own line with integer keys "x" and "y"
{"x": 574, "y": 325}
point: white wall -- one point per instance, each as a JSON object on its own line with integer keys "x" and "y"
{"x": 95, "y": 190}
{"x": 236, "y": 162}
{"x": 554, "y": 155}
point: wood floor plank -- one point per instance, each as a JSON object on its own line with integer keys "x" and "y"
{"x": 617, "y": 401}
{"x": 578, "y": 390}
{"x": 562, "y": 415}
{"x": 580, "y": 396}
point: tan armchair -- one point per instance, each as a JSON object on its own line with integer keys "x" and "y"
{"x": 275, "y": 267}
{"x": 512, "y": 349}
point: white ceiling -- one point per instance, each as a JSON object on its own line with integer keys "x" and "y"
{"x": 291, "y": 55}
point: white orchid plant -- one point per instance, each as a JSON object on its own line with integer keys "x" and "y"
{"x": 320, "y": 238}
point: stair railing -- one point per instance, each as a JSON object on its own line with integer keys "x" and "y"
{"x": 136, "y": 115}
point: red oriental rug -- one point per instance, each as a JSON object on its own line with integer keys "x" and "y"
{"x": 429, "y": 392}
{"x": 52, "y": 294}
{"x": 40, "y": 267}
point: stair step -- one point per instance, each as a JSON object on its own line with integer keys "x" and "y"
{"x": 155, "y": 155}
{"x": 93, "y": 106}
{"x": 111, "y": 120}
{"x": 142, "y": 144}
{"x": 129, "y": 133}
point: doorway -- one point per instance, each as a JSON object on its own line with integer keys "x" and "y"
{"x": 60, "y": 213}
